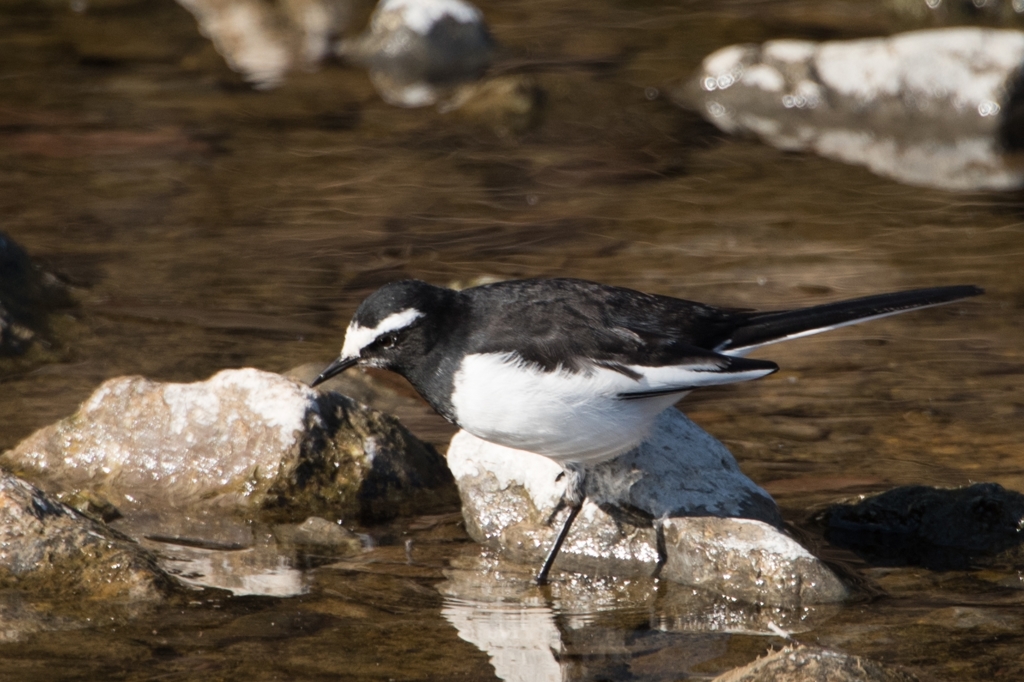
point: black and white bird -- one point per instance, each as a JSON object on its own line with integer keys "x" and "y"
{"x": 574, "y": 370}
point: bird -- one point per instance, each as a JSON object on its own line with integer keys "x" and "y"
{"x": 574, "y": 370}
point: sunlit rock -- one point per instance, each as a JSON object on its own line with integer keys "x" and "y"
{"x": 417, "y": 52}
{"x": 244, "y": 440}
{"x": 681, "y": 479}
{"x": 936, "y": 108}
{"x": 939, "y": 528}
{"x": 49, "y": 548}
{"x": 27, "y": 297}
{"x": 814, "y": 664}
{"x": 264, "y": 40}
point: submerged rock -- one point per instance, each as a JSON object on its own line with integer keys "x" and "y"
{"x": 937, "y": 108}
{"x": 417, "y": 52}
{"x": 49, "y": 548}
{"x": 814, "y": 664}
{"x": 938, "y": 528}
{"x": 244, "y": 440}
{"x": 720, "y": 529}
{"x": 264, "y": 40}
{"x": 27, "y": 297}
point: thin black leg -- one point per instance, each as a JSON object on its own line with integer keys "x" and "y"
{"x": 542, "y": 576}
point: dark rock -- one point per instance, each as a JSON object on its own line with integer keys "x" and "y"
{"x": 938, "y": 528}
{"x": 28, "y": 295}
{"x": 720, "y": 529}
{"x": 49, "y": 548}
{"x": 244, "y": 440}
{"x": 934, "y": 108}
{"x": 813, "y": 664}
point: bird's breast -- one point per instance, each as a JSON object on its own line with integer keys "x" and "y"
{"x": 567, "y": 416}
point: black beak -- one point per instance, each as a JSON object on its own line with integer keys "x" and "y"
{"x": 334, "y": 369}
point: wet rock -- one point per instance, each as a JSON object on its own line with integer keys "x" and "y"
{"x": 244, "y": 440}
{"x": 720, "y": 529}
{"x": 936, "y": 108}
{"x": 319, "y": 532}
{"x": 814, "y": 664}
{"x": 27, "y": 296}
{"x": 264, "y": 40}
{"x": 938, "y": 528}
{"x": 748, "y": 560}
{"x": 49, "y": 548}
{"x": 417, "y": 52}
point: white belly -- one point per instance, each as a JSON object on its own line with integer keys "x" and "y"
{"x": 569, "y": 417}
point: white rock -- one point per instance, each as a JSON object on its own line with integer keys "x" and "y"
{"x": 926, "y": 108}
{"x": 682, "y": 478}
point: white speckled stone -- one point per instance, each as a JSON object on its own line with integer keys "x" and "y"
{"x": 925, "y": 107}
{"x": 244, "y": 439}
{"x": 682, "y": 477}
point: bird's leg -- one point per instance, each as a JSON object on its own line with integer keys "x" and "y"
{"x": 659, "y": 530}
{"x": 575, "y": 493}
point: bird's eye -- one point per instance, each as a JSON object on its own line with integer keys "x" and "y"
{"x": 389, "y": 340}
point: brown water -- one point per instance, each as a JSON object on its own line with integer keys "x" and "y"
{"x": 205, "y": 225}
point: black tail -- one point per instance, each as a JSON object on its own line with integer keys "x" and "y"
{"x": 761, "y": 329}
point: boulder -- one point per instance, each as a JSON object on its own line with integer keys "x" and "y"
{"x": 244, "y": 440}
{"x": 418, "y": 52}
{"x": 937, "y": 108}
{"x": 720, "y": 530}
{"x": 939, "y": 528}
{"x": 49, "y": 548}
{"x": 814, "y": 664}
{"x": 28, "y": 295}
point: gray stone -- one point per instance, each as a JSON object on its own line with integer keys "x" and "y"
{"x": 319, "y": 532}
{"x": 418, "y": 52}
{"x": 49, "y": 548}
{"x": 814, "y": 664}
{"x": 245, "y": 440}
{"x": 264, "y": 40}
{"x": 721, "y": 530}
{"x": 935, "y": 108}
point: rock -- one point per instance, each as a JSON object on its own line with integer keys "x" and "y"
{"x": 417, "y": 52}
{"x": 49, "y": 548}
{"x": 747, "y": 560}
{"x": 27, "y": 296}
{"x": 245, "y": 440}
{"x": 814, "y": 664}
{"x": 938, "y": 528}
{"x": 265, "y": 40}
{"x": 720, "y": 529}
{"x": 936, "y": 108}
{"x": 319, "y": 532}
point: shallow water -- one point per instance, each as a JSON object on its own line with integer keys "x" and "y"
{"x": 204, "y": 225}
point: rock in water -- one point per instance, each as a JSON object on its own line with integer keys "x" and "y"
{"x": 244, "y": 440}
{"x": 417, "y": 52}
{"x": 720, "y": 529}
{"x": 937, "y": 108}
{"x": 939, "y": 528}
{"x": 49, "y": 548}
{"x": 263, "y": 41}
{"x": 814, "y": 664}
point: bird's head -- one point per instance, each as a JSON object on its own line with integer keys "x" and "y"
{"x": 392, "y": 327}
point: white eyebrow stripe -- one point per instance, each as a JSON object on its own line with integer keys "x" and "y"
{"x": 357, "y": 338}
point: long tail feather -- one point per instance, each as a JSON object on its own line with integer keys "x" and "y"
{"x": 762, "y": 329}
